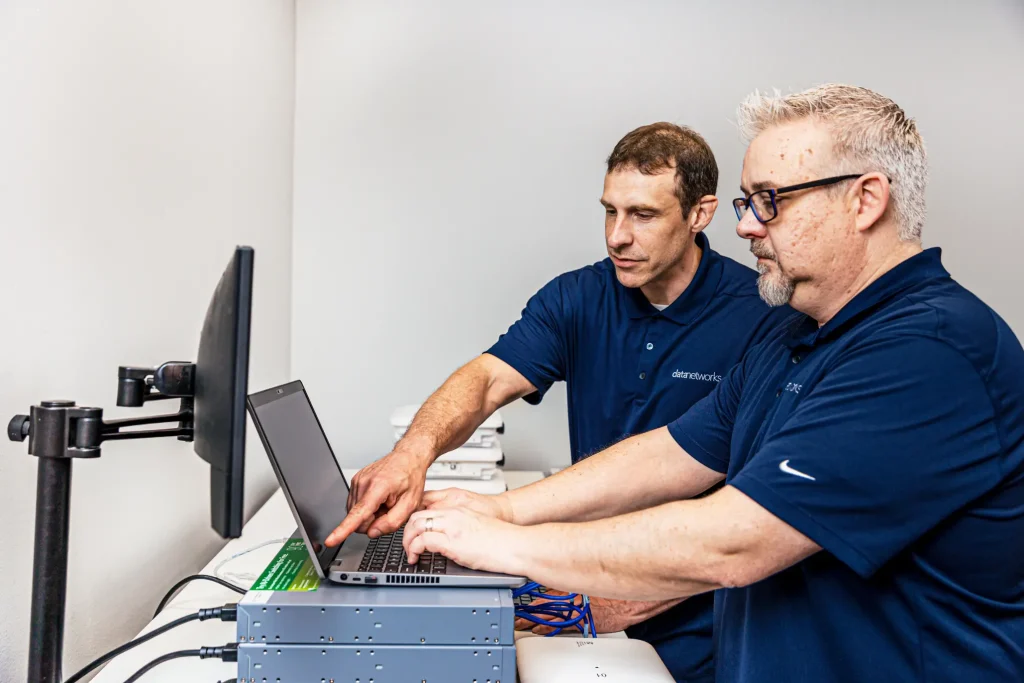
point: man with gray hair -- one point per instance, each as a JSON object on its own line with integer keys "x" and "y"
{"x": 872, "y": 451}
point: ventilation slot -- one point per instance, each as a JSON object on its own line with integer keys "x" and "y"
{"x": 402, "y": 578}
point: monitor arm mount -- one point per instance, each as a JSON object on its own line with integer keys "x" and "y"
{"x": 58, "y": 431}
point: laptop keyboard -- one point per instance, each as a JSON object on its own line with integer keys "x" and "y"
{"x": 386, "y": 554}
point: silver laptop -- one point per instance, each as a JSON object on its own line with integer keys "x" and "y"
{"x": 317, "y": 493}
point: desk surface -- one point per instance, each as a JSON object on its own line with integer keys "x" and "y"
{"x": 272, "y": 521}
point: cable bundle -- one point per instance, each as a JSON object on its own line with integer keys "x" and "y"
{"x": 568, "y": 614}
{"x": 228, "y": 653}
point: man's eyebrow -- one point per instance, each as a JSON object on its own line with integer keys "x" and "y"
{"x": 634, "y": 208}
{"x": 757, "y": 187}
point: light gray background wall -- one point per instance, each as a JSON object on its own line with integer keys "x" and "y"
{"x": 139, "y": 143}
{"x": 448, "y": 162}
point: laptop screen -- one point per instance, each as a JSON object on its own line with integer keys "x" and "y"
{"x": 304, "y": 462}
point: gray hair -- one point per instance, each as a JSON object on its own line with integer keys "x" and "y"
{"x": 870, "y": 133}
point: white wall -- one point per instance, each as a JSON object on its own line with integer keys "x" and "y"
{"x": 448, "y": 162}
{"x": 139, "y": 143}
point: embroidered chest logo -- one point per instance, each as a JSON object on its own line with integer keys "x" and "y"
{"x": 699, "y": 376}
{"x": 795, "y": 388}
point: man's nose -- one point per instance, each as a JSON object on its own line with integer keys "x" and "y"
{"x": 749, "y": 227}
{"x": 619, "y": 235}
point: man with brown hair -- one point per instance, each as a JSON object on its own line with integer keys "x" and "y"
{"x": 638, "y": 337}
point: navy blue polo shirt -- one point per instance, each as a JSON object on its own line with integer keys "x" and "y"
{"x": 893, "y": 437}
{"x": 630, "y": 368}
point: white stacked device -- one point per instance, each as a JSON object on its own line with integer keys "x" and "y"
{"x": 578, "y": 660}
{"x": 475, "y": 466}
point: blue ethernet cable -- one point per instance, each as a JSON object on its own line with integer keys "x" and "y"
{"x": 564, "y": 607}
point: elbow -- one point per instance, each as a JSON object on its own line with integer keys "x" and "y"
{"x": 736, "y": 570}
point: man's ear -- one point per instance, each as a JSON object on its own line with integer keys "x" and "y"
{"x": 702, "y": 212}
{"x": 870, "y": 199}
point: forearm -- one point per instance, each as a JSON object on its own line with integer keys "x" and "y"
{"x": 673, "y": 551}
{"x": 637, "y": 473}
{"x": 451, "y": 414}
{"x": 640, "y": 556}
{"x": 642, "y": 610}
{"x": 618, "y": 615}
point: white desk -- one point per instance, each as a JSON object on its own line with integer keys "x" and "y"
{"x": 273, "y": 520}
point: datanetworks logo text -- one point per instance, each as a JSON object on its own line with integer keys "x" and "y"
{"x": 700, "y": 376}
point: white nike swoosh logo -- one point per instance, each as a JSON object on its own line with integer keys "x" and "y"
{"x": 784, "y": 466}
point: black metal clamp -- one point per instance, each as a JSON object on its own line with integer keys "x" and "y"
{"x": 58, "y": 431}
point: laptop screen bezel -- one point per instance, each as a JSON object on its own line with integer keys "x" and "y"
{"x": 323, "y": 560}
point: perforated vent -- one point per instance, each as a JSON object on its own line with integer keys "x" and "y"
{"x": 403, "y": 578}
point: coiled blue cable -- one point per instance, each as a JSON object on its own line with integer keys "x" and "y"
{"x": 564, "y": 607}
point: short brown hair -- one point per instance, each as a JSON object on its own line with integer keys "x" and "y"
{"x": 653, "y": 148}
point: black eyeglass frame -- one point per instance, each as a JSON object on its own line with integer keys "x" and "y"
{"x": 740, "y": 204}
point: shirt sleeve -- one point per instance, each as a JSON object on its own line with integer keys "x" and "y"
{"x": 536, "y": 344}
{"x": 705, "y": 430}
{"x": 895, "y": 438}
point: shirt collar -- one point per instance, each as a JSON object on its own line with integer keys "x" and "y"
{"x": 917, "y": 269}
{"x": 694, "y": 298}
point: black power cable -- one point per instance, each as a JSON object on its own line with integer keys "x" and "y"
{"x": 195, "y": 577}
{"x": 225, "y": 613}
{"x": 227, "y": 653}
{"x": 180, "y": 654}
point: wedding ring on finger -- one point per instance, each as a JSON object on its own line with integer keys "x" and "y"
{"x": 429, "y": 526}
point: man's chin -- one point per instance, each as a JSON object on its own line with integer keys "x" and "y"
{"x": 631, "y": 279}
{"x": 774, "y": 288}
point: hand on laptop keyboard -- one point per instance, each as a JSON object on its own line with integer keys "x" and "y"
{"x": 386, "y": 554}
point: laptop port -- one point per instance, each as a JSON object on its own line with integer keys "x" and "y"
{"x": 370, "y": 579}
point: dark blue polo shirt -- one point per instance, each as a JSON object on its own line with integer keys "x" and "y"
{"x": 893, "y": 436}
{"x": 630, "y": 368}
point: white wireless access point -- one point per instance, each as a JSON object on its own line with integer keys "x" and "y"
{"x": 575, "y": 660}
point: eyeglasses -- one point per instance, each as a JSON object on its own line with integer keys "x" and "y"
{"x": 763, "y": 202}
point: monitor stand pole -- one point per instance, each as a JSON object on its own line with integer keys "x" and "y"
{"x": 50, "y": 562}
{"x": 57, "y": 432}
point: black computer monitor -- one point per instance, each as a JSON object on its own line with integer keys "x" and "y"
{"x": 221, "y": 385}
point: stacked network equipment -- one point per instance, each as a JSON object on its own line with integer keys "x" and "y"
{"x": 475, "y": 466}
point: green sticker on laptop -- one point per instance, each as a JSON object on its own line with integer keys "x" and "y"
{"x": 290, "y": 570}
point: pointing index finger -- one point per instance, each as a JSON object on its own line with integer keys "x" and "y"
{"x": 360, "y": 514}
{"x": 353, "y": 520}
